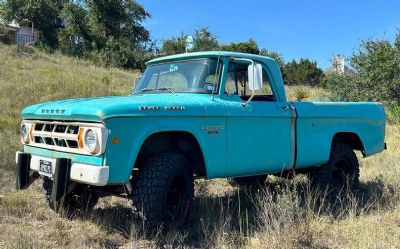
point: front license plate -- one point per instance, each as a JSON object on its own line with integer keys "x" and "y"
{"x": 45, "y": 168}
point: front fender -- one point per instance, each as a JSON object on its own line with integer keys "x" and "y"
{"x": 131, "y": 133}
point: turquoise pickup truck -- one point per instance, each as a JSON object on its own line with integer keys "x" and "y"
{"x": 195, "y": 115}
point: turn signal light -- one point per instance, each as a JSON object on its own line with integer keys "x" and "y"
{"x": 80, "y": 138}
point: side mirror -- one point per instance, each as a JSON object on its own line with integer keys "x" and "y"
{"x": 255, "y": 76}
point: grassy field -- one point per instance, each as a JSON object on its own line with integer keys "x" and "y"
{"x": 283, "y": 214}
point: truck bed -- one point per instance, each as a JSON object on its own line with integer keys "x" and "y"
{"x": 318, "y": 123}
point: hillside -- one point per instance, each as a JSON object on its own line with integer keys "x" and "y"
{"x": 28, "y": 76}
{"x": 284, "y": 214}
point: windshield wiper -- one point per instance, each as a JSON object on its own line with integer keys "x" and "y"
{"x": 166, "y": 88}
{"x": 144, "y": 90}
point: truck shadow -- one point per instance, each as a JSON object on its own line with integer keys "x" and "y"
{"x": 242, "y": 212}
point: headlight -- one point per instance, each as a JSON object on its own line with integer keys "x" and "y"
{"x": 91, "y": 141}
{"x": 24, "y": 132}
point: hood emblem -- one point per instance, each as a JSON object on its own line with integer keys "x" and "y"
{"x": 157, "y": 108}
{"x": 149, "y": 108}
{"x": 175, "y": 108}
{"x": 52, "y": 111}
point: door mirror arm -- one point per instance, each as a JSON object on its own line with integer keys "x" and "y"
{"x": 254, "y": 77}
{"x": 244, "y": 104}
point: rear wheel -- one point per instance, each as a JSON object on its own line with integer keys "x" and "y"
{"x": 78, "y": 201}
{"x": 164, "y": 190}
{"x": 340, "y": 172}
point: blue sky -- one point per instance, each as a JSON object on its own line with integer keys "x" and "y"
{"x": 303, "y": 28}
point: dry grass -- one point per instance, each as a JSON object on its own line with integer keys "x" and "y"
{"x": 306, "y": 93}
{"x": 283, "y": 214}
{"x": 28, "y": 76}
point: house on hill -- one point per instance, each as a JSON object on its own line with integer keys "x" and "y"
{"x": 338, "y": 66}
{"x": 20, "y": 35}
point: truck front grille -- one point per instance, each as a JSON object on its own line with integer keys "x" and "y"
{"x": 65, "y": 136}
{"x": 57, "y": 136}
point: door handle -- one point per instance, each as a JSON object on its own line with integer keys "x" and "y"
{"x": 287, "y": 107}
{"x": 284, "y": 107}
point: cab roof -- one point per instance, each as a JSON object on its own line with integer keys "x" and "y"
{"x": 209, "y": 54}
{"x": 273, "y": 66}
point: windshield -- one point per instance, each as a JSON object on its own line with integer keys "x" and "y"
{"x": 193, "y": 76}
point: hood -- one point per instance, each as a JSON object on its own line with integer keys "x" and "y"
{"x": 101, "y": 108}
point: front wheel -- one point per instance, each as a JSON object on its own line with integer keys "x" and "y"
{"x": 164, "y": 190}
{"x": 340, "y": 172}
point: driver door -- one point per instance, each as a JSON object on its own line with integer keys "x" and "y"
{"x": 259, "y": 135}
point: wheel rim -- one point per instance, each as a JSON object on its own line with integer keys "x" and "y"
{"x": 175, "y": 198}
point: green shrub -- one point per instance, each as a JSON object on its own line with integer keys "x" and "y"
{"x": 4, "y": 37}
{"x": 301, "y": 93}
{"x": 121, "y": 53}
{"x": 303, "y": 72}
{"x": 393, "y": 113}
{"x": 374, "y": 76}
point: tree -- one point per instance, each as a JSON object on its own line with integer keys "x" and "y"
{"x": 108, "y": 31}
{"x": 117, "y": 19}
{"x": 76, "y": 37}
{"x": 304, "y": 72}
{"x": 275, "y": 56}
{"x": 174, "y": 45}
{"x": 3, "y": 33}
{"x": 121, "y": 53}
{"x": 41, "y": 14}
{"x": 249, "y": 46}
{"x": 204, "y": 40}
{"x": 375, "y": 73}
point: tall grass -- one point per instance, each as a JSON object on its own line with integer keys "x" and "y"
{"x": 306, "y": 93}
{"x": 28, "y": 76}
{"x": 33, "y": 77}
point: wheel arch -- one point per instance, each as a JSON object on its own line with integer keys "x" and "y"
{"x": 178, "y": 141}
{"x": 349, "y": 138}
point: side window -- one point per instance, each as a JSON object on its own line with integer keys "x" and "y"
{"x": 236, "y": 83}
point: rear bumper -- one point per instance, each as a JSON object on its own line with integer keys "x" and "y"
{"x": 79, "y": 172}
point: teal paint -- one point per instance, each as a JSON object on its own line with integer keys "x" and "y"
{"x": 256, "y": 139}
{"x": 75, "y": 158}
{"x": 318, "y": 122}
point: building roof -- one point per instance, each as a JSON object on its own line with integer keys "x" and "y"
{"x": 333, "y": 69}
{"x": 338, "y": 66}
{"x": 13, "y": 24}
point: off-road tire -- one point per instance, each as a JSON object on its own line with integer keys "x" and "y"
{"x": 340, "y": 173}
{"x": 79, "y": 201}
{"x": 163, "y": 192}
{"x": 248, "y": 181}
